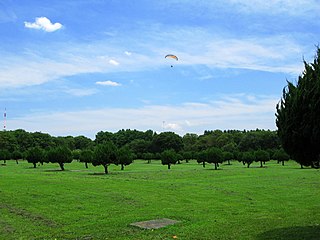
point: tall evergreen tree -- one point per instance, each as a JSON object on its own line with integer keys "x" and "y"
{"x": 298, "y": 116}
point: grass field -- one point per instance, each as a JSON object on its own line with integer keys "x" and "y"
{"x": 235, "y": 202}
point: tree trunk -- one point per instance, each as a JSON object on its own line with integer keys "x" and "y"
{"x": 282, "y": 163}
{"x": 248, "y": 165}
{"x": 17, "y": 161}
{"x": 215, "y": 166}
{"x": 34, "y": 165}
{"x": 203, "y": 164}
{"x": 261, "y": 164}
{"x": 106, "y": 169}
{"x": 169, "y": 165}
{"x": 61, "y": 166}
{"x": 86, "y": 164}
{"x": 229, "y": 162}
{"x": 122, "y": 167}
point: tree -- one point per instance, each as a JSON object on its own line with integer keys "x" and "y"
{"x": 227, "y": 156}
{"x": 23, "y": 139}
{"x": 148, "y": 156}
{"x": 102, "y": 137}
{"x": 42, "y": 140}
{"x": 16, "y": 155}
{"x": 188, "y": 155}
{"x": 281, "y": 156}
{"x": 139, "y": 147}
{"x": 5, "y": 155}
{"x": 189, "y": 142}
{"x": 261, "y": 156}
{"x": 298, "y": 116}
{"x": 82, "y": 142}
{"x": 104, "y": 154}
{"x": 202, "y": 157}
{"x": 76, "y": 154}
{"x": 215, "y": 156}
{"x": 124, "y": 157}
{"x": 8, "y": 141}
{"x": 166, "y": 141}
{"x": 168, "y": 157}
{"x": 60, "y": 155}
{"x": 35, "y": 155}
{"x": 248, "y": 158}
{"x": 86, "y": 156}
{"x": 179, "y": 157}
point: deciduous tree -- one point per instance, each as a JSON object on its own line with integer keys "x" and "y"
{"x": 60, "y": 155}
{"x": 105, "y": 154}
{"x": 168, "y": 157}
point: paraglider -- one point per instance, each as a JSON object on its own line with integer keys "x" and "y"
{"x": 171, "y": 56}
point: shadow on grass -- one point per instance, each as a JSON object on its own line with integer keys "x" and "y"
{"x": 98, "y": 174}
{"x": 291, "y": 233}
{"x": 56, "y": 170}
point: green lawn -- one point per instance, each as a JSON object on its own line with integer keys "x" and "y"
{"x": 235, "y": 202}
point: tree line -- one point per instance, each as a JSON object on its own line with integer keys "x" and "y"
{"x": 122, "y": 147}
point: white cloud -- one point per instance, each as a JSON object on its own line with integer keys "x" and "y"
{"x": 108, "y": 83}
{"x": 44, "y": 24}
{"x": 34, "y": 70}
{"x": 114, "y": 62}
{"x": 80, "y": 92}
{"x": 230, "y": 112}
{"x": 127, "y": 53}
{"x": 172, "y": 126}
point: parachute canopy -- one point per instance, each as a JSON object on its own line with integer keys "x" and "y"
{"x": 171, "y": 56}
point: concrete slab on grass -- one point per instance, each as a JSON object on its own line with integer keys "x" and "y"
{"x": 154, "y": 224}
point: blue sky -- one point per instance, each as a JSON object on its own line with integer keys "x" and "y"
{"x": 78, "y": 67}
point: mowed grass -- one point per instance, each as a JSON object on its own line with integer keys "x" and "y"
{"x": 235, "y": 202}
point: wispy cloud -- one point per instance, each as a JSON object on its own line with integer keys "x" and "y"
{"x": 273, "y": 54}
{"x": 80, "y": 92}
{"x": 290, "y": 7}
{"x": 6, "y": 12}
{"x": 108, "y": 83}
{"x": 114, "y": 62}
{"x": 306, "y": 8}
{"x": 43, "y": 23}
{"x": 230, "y": 112}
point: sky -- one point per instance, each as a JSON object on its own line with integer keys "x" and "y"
{"x": 78, "y": 67}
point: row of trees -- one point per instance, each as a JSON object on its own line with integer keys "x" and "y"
{"x": 103, "y": 154}
{"x": 140, "y": 142}
{"x": 122, "y": 147}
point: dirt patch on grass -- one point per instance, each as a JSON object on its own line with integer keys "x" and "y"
{"x": 33, "y": 217}
{"x": 6, "y": 228}
{"x": 154, "y": 224}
